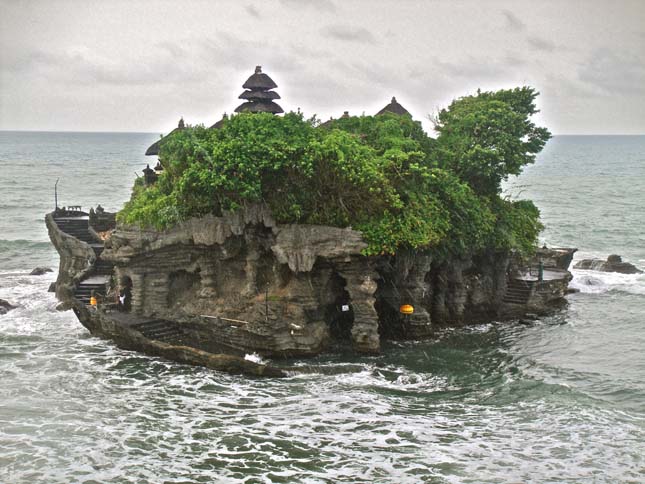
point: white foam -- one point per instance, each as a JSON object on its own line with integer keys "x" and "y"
{"x": 254, "y": 357}
{"x": 597, "y": 282}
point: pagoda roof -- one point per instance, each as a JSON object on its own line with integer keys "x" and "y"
{"x": 259, "y": 81}
{"x": 259, "y": 95}
{"x": 153, "y": 149}
{"x": 259, "y": 107}
{"x": 395, "y": 108}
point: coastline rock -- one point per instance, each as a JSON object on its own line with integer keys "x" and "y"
{"x": 39, "y": 271}
{"x": 241, "y": 283}
{"x": 52, "y": 287}
{"x": 614, "y": 263}
{"x": 6, "y": 306}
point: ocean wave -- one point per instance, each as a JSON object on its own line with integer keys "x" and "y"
{"x": 597, "y": 282}
{"x": 23, "y": 244}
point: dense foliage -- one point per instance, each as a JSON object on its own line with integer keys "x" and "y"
{"x": 487, "y": 137}
{"x": 381, "y": 175}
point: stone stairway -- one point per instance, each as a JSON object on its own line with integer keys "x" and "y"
{"x": 83, "y": 291}
{"x": 161, "y": 330}
{"x": 103, "y": 267}
{"x": 517, "y": 292}
{"x": 79, "y": 228}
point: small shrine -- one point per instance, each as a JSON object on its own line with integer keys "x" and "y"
{"x": 149, "y": 175}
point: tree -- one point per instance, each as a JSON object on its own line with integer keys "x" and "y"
{"x": 487, "y": 137}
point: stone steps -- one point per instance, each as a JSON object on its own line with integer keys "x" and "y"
{"x": 517, "y": 292}
{"x": 161, "y": 330}
{"x": 83, "y": 292}
{"x": 79, "y": 228}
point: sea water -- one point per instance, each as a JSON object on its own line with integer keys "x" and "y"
{"x": 561, "y": 399}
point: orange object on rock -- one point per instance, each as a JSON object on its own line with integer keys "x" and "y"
{"x": 406, "y": 309}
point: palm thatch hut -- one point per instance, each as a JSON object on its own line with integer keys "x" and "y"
{"x": 259, "y": 95}
{"x": 154, "y": 147}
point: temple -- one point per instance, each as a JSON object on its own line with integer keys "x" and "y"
{"x": 212, "y": 289}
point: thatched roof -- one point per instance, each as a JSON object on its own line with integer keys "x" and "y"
{"x": 257, "y": 95}
{"x": 259, "y": 107}
{"x": 394, "y": 108}
{"x": 154, "y": 147}
{"x": 220, "y": 123}
{"x": 259, "y": 81}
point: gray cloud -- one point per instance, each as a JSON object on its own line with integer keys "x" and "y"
{"x": 474, "y": 68}
{"x": 83, "y": 66}
{"x": 252, "y": 11}
{"x": 514, "y": 60}
{"x": 513, "y": 23}
{"x": 77, "y": 65}
{"x": 320, "y": 5}
{"x": 539, "y": 43}
{"x": 348, "y": 34}
{"x": 614, "y": 73}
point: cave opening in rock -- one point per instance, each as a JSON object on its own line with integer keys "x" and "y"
{"x": 387, "y": 300}
{"x": 339, "y": 313}
{"x": 125, "y": 292}
{"x": 390, "y": 324}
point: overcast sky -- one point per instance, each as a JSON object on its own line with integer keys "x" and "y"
{"x": 133, "y": 65}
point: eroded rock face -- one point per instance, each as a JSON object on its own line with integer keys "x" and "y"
{"x": 244, "y": 281}
{"x": 614, "y": 263}
{"x": 76, "y": 259}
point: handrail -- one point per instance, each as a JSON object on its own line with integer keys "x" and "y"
{"x": 225, "y": 319}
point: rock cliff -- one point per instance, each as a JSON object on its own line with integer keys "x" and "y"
{"x": 246, "y": 282}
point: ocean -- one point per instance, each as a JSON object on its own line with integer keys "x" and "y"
{"x": 559, "y": 400}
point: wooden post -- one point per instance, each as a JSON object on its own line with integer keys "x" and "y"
{"x": 56, "y": 195}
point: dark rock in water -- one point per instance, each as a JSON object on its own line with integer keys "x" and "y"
{"x": 614, "y": 263}
{"x": 6, "y": 306}
{"x": 52, "y": 287}
{"x": 39, "y": 271}
{"x": 64, "y": 306}
{"x": 572, "y": 290}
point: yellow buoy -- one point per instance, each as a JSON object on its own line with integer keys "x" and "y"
{"x": 406, "y": 309}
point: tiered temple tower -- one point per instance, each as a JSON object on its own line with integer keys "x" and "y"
{"x": 259, "y": 95}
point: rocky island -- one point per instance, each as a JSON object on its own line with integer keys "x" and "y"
{"x": 286, "y": 237}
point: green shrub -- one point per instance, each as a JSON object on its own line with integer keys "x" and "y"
{"x": 381, "y": 175}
